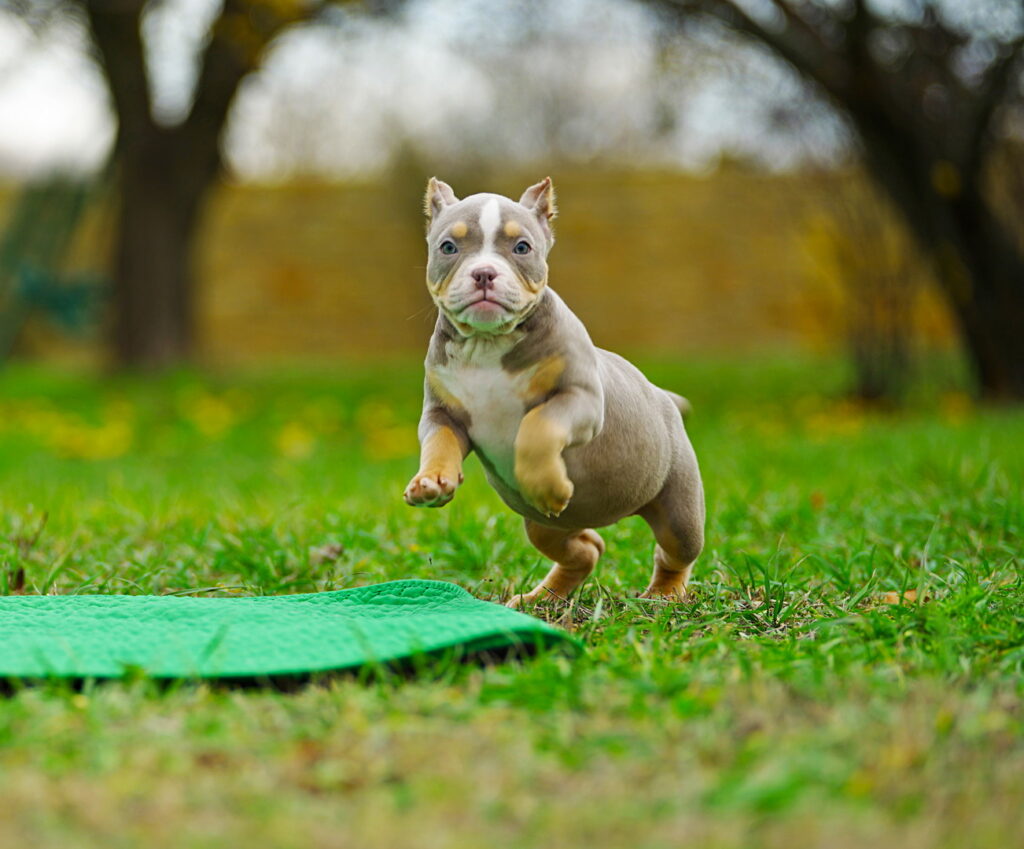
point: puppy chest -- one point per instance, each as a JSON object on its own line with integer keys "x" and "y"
{"x": 493, "y": 400}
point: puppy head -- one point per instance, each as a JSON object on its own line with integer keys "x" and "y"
{"x": 487, "y": 255}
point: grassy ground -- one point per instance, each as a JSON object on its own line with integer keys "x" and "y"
{"x": 791, "y": 703}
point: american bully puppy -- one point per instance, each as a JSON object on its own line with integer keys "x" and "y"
{"x": 572, "y": 437}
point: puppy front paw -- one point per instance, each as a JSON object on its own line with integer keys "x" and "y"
{"x": 431, "y": 489}
{"x": 545, "y": 487}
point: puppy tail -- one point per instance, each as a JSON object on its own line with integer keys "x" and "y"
{"x": 685, "y": 407}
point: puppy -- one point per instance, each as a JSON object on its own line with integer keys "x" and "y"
{"x": 571, "y": 437}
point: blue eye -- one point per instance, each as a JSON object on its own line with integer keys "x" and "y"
{"x": 449, "y": 247}
{"x": 522, "y": 247}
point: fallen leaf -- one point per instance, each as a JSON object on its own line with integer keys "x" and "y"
{"x": 898, "y": 598}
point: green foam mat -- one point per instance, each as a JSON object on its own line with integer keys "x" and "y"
{"x": 111, "y": 636}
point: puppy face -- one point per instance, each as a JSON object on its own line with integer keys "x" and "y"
{"x": 487, "y": 255}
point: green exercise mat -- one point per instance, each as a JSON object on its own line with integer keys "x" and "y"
{"x": 110, "y": 636}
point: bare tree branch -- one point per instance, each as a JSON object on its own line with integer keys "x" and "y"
{"x": 240, "y": 37}
{"x": 811, "y": 56}
{"x": 996, "y": 89}
{"x": 115, "y": 29}
{"x": 239, "y": 40}
{"x": 926, "y": 134}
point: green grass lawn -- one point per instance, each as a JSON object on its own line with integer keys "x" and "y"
{"x": 789, "y": 703}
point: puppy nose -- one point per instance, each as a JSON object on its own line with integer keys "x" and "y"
{"x": 484, "y": 277}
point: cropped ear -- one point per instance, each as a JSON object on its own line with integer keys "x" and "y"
{"x": 540, "y": 197}
{"x": 439, "y": 195}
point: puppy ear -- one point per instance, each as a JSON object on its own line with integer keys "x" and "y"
{"x": 439, "y": 195}
{"x": 540, "y": 197}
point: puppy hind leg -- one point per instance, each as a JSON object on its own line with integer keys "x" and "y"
{"x": 670, "y": 576}
{"x": 678, "y": 526}
{"x": 575, "y": 554}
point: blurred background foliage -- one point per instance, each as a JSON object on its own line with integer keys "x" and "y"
{"x": 239, "y": 181}
{"x": 642, "y": 257}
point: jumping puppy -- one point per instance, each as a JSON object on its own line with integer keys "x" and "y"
{"x": 572, "y": 437}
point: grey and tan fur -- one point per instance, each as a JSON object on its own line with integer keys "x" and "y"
{"x": 572, "y": 437}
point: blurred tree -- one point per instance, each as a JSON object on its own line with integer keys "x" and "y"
{"x": 925, "y": 86}
{"x": 870, "y": 274}
{"x": 164, "y": 170}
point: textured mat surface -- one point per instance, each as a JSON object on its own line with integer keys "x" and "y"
{"x": 109, "y": 636}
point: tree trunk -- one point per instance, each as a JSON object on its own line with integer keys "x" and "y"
{"x": 987, "y": 295}
{"x": 994, "y": 333}
{"x": 153, "y": 285}
{"x": 977, "y": 264}
{"x": 927, "y": 134}
{"x": 166, "y": 173}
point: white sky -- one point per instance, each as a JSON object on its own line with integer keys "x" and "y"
{"x": 450, "y": 79}
{"x": 53, "y": 112}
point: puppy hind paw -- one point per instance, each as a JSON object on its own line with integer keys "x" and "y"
{"x": 537, "y": 596}
{"x": 667, "y": 592}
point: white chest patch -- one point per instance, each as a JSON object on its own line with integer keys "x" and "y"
{"x": 494, "y": 400}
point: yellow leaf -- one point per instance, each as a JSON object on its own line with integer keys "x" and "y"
{"x": 898, "y": 598}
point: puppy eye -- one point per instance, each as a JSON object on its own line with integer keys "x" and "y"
{"x": 522, "y": 247}
{"x": 449, "y": 247}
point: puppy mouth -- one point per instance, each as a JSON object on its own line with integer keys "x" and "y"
{"x": 483, "y": 305}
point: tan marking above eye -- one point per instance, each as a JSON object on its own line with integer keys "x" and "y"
{"x": 459, "y": 229}
{"x": 512, "y": 229}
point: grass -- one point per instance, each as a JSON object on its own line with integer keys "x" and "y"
{"x": 789, "y": 703}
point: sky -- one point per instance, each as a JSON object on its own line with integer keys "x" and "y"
{"x": 451, "y": 80}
